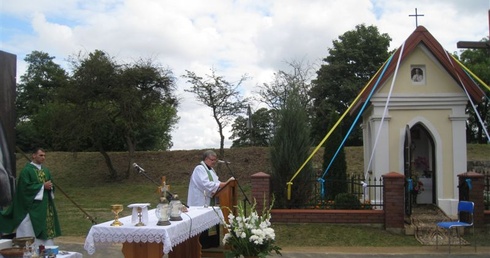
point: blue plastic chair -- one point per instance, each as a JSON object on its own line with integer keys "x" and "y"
{"x": 463, "y": 207}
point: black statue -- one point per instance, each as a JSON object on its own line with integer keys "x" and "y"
{"x": 7, "y": 127}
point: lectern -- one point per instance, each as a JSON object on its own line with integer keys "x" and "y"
{"x": 227, "y": 197}
{"x": 227, "y": 200}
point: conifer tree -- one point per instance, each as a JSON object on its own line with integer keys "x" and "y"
{"x": 289, "y": 149}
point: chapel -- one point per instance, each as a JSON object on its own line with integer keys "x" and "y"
{"x": 414, "y": 119}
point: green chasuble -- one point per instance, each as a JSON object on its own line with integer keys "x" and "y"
{"x": 42, "y": 212}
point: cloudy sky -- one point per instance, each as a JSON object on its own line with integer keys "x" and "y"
{"x": 235, "y": 38}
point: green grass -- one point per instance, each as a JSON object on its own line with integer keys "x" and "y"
{"x": 339, "y": 235}
{"x": 478, "y": 151}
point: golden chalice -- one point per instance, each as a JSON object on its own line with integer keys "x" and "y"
{"x": 116, "y": 208}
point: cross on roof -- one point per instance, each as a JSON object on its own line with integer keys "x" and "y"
{"x": 416, "y": 15}
{"x": 476, "y": 44}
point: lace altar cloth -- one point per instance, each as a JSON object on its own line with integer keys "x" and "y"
{"x": 193, "y": 222}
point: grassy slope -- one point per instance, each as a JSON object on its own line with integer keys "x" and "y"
{"x": 83, "y": 177}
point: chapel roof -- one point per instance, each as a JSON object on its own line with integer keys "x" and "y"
{"x": 422, "y": 36}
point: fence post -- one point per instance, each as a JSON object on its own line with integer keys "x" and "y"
{"x": 261, "y": 190}
{"x": 472, "y": 191}
{"x": 393, "y": 201}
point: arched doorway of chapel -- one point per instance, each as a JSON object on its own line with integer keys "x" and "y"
{"x": 423, "y": 163}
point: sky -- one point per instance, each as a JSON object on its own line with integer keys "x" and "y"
{"x": 253, "y": 38}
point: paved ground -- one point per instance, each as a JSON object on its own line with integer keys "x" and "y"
{"x": 114, "y": 251}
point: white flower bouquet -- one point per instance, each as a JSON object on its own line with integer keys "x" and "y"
{"x": 250, "y": 235}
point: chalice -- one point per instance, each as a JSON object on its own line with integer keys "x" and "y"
{"x": 116, "y": 208}
{"x": 140, "y": 223}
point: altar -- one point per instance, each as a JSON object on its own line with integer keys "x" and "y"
{"x": 177, "y": 239}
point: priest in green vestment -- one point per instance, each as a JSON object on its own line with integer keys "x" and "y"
{"x": 32, "y": 212}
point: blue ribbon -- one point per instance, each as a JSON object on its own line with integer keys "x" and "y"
{"x": 468, "y": 182}
{"x": 410, "y": 184}
{"x": 321, "y": 181}
{"x": 358, "y": 115}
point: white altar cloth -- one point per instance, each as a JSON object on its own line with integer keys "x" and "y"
{"x": 193, "y": 222}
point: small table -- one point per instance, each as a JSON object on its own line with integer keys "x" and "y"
{"x": 177, "y": 239}
{"x": 7, "y": 243}
{"x": 64, "y": 254}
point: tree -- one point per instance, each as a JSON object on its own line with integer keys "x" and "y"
{"x": 478, "y": 61}
{"x": 351, "y": 62}
{"x": 147, "y": 106}
{"x": 336, "y": 176}
{"x": 36, "y": 91}
{"x": 118, "y": 107}
{"x": 104, "y": 106}
{"x": 221, "y": 96}
{"x": 39, "y": 84}
{"x": 256, "y": 134}
{"x": 289, "y": 149}
{"x": 275, "y": 93}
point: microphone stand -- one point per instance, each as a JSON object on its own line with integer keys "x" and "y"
{"x": 245, "y": 199}
{"x": 142, "y": 172}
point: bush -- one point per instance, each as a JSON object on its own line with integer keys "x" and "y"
{"x": 346, "y": 201}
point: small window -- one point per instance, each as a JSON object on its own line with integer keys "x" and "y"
{"x": 417, "y": 74}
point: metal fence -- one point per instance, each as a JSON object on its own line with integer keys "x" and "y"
{"x": 486, "y": 189}
{"x": 369, "y": 191}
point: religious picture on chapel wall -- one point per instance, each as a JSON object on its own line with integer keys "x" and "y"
{"x": 417, "y": 74}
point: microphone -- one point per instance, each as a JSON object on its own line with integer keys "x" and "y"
{"x": 223, "y": 161}
{"x": 140, "y": 169}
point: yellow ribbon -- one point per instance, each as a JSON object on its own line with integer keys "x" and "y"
{"x": 471, "y": 73}
{"x": 331, "y": 130}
